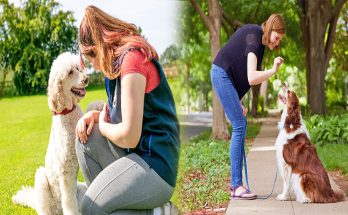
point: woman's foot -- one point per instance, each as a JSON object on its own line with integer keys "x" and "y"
{"x": 241, "y": 192}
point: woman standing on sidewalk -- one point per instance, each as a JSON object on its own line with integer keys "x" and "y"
{"x": 235, "y": 68}
{"x": 129, "y": 151}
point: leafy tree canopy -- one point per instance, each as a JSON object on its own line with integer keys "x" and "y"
{"x": 31, "y": 37}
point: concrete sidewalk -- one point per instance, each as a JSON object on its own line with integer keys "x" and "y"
{"x": 262, "y": 168}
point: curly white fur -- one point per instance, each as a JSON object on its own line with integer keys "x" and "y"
{"x": 56, "y": 190}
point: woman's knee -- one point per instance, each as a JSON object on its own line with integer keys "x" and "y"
{"x": 89, "y": 207}
{"x": 95, "y": 136}
{"x": 94, "y": 140}
{"x": 239, "y": 125}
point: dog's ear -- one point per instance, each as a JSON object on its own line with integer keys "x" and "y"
{"x": 55, "y": 96}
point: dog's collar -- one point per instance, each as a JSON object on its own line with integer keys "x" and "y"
{"x": 64, "y": 112}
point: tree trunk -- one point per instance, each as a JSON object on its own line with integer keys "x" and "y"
{"x": 206, "y": 107}
{"x": 316, "y": 17}
{"x": 264, "y": 91}
{"x": 248, "y": 101}
{"x": 255, "y": 98}
{"x": 4, "y": 72}
{"x": 213, "y": 24}
{"x": 201, "y": 97}
{"x": 219, "y": 120}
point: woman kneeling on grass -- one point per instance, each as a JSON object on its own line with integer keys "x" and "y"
{"x": 129, "y": 151}
{"x": 236, "y": 67}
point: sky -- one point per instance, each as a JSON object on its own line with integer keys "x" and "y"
{"x": 158, "y": 19}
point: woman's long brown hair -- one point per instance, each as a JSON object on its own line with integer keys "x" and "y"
{"x": 106, "y": 36}
{"x": 274, "y": 23}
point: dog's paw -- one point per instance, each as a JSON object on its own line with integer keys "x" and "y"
{"x": 304, "y": 200}
{"x": 282, "y": 197}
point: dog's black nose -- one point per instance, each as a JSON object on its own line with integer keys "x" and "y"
{"x": 85, "y": 81}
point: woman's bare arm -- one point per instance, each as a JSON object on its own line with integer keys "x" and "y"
{"x": 127, "y": 133}
{"x": 256, "y": 77}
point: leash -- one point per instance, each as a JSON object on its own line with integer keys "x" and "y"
{"x": 269, "y": 195}
{"x": 247, "y": 180}
{"x": 245, "y": 168}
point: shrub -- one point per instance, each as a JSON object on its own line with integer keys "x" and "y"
{"x": 7, "y": 89}
{"x": 329, "y": 129}
{"x": 96, "y": 79}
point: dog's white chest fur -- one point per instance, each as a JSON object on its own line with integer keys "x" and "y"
{"x": 279, "y": 144}
{"x": 61, "y": 154}
{"x": 280, "y": 141}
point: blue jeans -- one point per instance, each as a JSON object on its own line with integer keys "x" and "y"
{"x": 231, "y": 104}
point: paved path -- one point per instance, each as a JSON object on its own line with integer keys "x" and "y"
{"x": 261, "y": 162}
{"x": 194, "y": 123}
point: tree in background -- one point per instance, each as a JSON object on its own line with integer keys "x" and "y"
{"x": 170, "y": 56}
{"x": 318, "y": 24}
{"x": 212, "y": 22}
{"x": 31, "y": 36}
{"x": 192, "y": 62}
{"x": 336, "y": 81}
{"x": 234, "y": 14}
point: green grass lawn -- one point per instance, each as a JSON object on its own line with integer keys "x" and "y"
{"x": 204, "y": 172}
{"x": 334, "y": 156}
{"x": 24, "y": 133}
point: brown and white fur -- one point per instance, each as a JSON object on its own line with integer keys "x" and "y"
{"x": 297, "y": 159}
{"x": 56, "y": 190}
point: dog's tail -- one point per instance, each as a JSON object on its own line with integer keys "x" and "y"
{"x": 336, "y": 196}
{"x": 319, "y": 189}
{"x": 35, "y": 196}
{"x": 25, "y": 197}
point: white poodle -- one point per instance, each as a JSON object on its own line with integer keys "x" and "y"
{"x": 56, "y": 190}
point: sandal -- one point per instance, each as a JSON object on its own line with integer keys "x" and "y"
{"x": 246, "y": 195}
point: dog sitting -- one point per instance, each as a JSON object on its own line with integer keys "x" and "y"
{"x": 56, "y": 190}
{"x": 297, "y": 159}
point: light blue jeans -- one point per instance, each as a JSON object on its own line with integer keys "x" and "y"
{"x": 231, "y": 105}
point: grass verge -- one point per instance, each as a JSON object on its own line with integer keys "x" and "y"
{"x": 24, "y": 134}
{"x": 334, "y": 157}
{"x": 204, "y": 171}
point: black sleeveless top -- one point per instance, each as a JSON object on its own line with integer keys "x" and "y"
{"x": 233, "y": 56}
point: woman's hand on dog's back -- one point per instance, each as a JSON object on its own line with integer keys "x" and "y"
{"x": 85, "y": 125}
